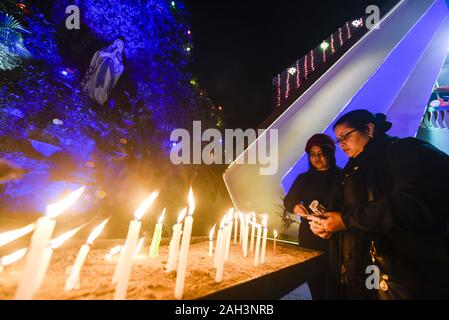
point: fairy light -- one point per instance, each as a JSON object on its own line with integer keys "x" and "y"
{"x": 358, "y": 23}
{"x": 312, "y": 60}
{"x": 340, "y": 36}
{"x": 306, "y": 67}
{"x": 279, "y": 90}
{"x": 287, "y": 90}
{"x": 297, "y": 74}
{"x": 324, "y": 46}
{"x": 349, "y": 30}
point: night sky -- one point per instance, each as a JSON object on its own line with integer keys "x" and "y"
{"x": 240, "y": 45}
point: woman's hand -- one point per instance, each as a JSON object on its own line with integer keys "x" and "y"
{"x": 318, "y": 230}
{"x": 332, "y": 223}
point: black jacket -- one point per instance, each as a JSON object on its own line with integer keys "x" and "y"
{"x": 309, "y": 186}
{"x": 394, "y": 193}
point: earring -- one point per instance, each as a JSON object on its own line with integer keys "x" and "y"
{"x": 371, "y": 135}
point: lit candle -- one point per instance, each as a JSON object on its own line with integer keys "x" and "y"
{"x": 246, "y": 219}
{"x": 257, "y": 254}
{"x": 211, "y": 241}
{"x": 220, "y": 237}
{"x": 173, "y": 250}
{"x": 229, "y": 233}
{"x": 236, "y": 223}
{"x": 183, "y": 255}
{"x": 72, "y": 281}
{"x": 11, "y": 258}
{"x": 123, "y": 268}
{"x": 264, "y": 239}
{"x": 139, "y": 247}
{"x": 220, "y": 251}
{"x": 39, "y": 243}
{"x": 253, "y": 227}
{"x": 242, "y": 226}
{"x": 275, "y": 234}
{"x": 157, "y": 235}
{"x": 55, "y": 243}
{"x": 113, "y": 252}
{"x": 9, "y": 236}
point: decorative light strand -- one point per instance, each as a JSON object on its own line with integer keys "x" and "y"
{"x": 287, "y": 90}
{"x": 306, "y": 67}
{"x": 349, "y": 30}
{"x": 279, "y": 90}
{"x": 297, "y": 75}
{"x": 340, "y": 36}
{"x": 312, "y": 60}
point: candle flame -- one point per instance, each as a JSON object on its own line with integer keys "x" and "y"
{"x": 59, "y": 241}
{"x": 139, "y": 246}
{"x": 13, "y": 257}
{"x": 96, "y": 232}
{"x": 182, "y": 214}
{"x": 230, "y": 215}
{"x": 275, "y": 233}
{"x": 9, "y": 236}
{"x": 161, "y": 218}
{"x": 113, "y": 251}
{"x": 191, "y": 202}
{"x": 138, "y": 214}
{"x": 265, "y": 220}
{"x": 211, "y": 233}
{"x": 55, "y": 209}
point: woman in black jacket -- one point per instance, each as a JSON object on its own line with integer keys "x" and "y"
{"x": 389, "y": 211}
{"x": 315, "y": 184}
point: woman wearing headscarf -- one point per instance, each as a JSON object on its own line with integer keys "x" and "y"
{"x": 314, "y": 184}
{"x": 389, "y": 221}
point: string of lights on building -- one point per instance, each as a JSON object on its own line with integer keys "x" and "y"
{"x": 308, "y": 64}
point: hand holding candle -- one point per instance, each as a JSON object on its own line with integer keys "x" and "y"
{"x": 157, "y": 235}
{"x": 39, "y": 243}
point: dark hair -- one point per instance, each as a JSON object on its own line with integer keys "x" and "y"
{"x": 329, "y": 154}
{"x": 359, "y": 120}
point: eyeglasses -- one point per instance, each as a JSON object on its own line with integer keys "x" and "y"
{"x": 345, "y": 136}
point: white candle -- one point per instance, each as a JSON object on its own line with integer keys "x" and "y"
{"x": 183, "y": 255}
{"x": 242, "y": 226}
{"x": 236, "y": 223}
{"x": 253, "y": 227}
{"x": 125, "y": 264}
{"x": 157, "y": 236}
{"x": 9, "y": 236}
{"x": 72, "y": 281}
{"x": 113, "y": 252}
{"x": 219, "y": 244}
{"x": 228, "y": 229}
{"x": 211, "y": 241}
{"x": 139, "y": 247}
{"x": 220, "y": 254}
{"x": 173, "y": 251}
{"x": 264, "y": 239}
{"x": 275, "y": 234}
{"x": 39, "y": 242}
{"x": 257, "y": 254}
{"x": 55, "y": 243}
{"x": 245, "y": 235}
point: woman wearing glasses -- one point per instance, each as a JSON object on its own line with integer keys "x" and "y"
{"x": 388, "y": 212}
{"x": 315, "y": 184}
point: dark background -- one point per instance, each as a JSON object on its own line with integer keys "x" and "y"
{"x": 240, "y": 45}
